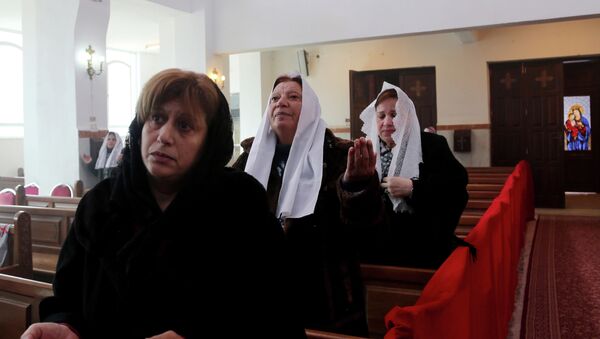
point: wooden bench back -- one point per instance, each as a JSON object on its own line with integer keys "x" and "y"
{"x": 49, "y": 226}
{"x": 45, "y": 201}
{"x": 19, "y": 259}
{"x": 11, "y": 182}
{"x": 389, "y": 286}
{"x": 19, "y": 304}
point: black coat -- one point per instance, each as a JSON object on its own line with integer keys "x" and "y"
{"x": 323, "y": 259}
{"x": 211, "y": 264}
{"x": 426, "y": 237}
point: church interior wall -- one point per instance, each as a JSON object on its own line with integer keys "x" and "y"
{"x": 462, "y": 84}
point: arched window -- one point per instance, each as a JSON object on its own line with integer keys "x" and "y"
{"x": 11, "y": 85}
{"x": 122, "y": 89}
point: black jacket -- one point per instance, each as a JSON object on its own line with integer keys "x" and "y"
{"x": 426, "y": 237}
{"x": 211, "y": 263}
{"x": 323, "y": 258}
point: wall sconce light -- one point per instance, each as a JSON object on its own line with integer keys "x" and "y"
{"x": 217, "y": 77}
{"x": 90, "y": 67}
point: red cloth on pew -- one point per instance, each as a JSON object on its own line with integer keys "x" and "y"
{"x": 466, "y": 299}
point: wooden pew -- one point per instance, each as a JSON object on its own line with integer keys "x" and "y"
{"x": 485, "y": 183}
{"x": 49, "y": 228}
{"x": 11, "y": 182}
{"x": 19, "y": 304}
{"x": 78, "y": 189}
{"x": 388, "y": 286}
{"x": 44, "y": 201}
{"x": 19, "y": 245}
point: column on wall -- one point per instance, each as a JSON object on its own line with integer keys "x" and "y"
{"x": 91, "y": 85}
{"x": 50, "y": 142}
{"x": 251, "y": 93}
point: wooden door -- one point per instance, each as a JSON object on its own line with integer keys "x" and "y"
{"x": 417, "y": 83}
{"x": 582, "y": 78}
{"x": 543, "y": 101}
{"x": 526, "y": 116}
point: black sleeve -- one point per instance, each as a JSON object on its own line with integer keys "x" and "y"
{"x": 361, "y": 206}
{"x": 240, "y": 162}
{"x": 441, "y": 190}
{"x": 66, "y": 304}
{"x": 265, "y": 269}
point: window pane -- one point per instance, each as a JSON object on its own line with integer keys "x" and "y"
{"x": 120, "y": 96}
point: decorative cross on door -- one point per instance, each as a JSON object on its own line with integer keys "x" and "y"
{"x": 508, "y": 80}
{"x": 544, "y": 78}
{"x": 417, "y": 88}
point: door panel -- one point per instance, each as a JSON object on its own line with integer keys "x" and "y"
{"x": 543, "y": 98}
{"x": 582, "y": 167}
{"x": 417, "y": 83}
{"x": 526, "y": 101}
{"x": 507, "y": 115}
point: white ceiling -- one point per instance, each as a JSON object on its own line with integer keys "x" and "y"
{"x": 133, "y": 24}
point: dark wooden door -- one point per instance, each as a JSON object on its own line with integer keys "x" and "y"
{"x": 526, "y": 100}
{"x": 417, "y": 83}
{"x": 582, "y": 78}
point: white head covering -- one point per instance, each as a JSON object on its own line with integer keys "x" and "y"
{"x": 110, "y": 161}
{"x": 406, "y": 155}
{"x": 304, "y": 167}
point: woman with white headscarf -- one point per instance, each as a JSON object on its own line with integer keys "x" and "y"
{"x": 407, "y": 212}
{"x": 299, "y": 162}
{"x": 108, "y": 156}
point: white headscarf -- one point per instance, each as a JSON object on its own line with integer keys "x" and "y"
{"x": 110, "y": 161}
{"x": 406, "y": 155}
{"x": 304, "y": 167}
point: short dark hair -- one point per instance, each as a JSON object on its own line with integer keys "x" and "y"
{"x": 286, "y": 78}
{"x": 196, "y": 91}
{"x": 388, "y": 93}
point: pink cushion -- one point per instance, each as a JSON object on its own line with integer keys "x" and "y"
{"x": 62, "y": 190}
{"x": 32, "y": 189}
{"x": 7, "y": 197}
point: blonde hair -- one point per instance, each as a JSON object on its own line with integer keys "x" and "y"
{"x": 197, "y": 92}
{"x": 576, "y": 107}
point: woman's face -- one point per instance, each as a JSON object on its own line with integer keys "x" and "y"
{"x": 284, "y": 109}
{"x": 172, "y": 139}
{"x": 111, "y": 140}
{"x": 385, "y": 112}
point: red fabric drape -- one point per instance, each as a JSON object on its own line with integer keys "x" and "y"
{"x": 466, "y": 299}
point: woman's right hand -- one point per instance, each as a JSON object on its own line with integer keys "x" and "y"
{"x": 361, "y": 161}
{"x": 49, "y": 331}
{"x": 86, "y": 158}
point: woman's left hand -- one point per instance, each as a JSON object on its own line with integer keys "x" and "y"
{"x": 397, "y": 187}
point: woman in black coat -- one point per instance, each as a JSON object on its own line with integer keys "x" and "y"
{"x": 300, "y": 161}
{"x": 403, "y": 189}
{"x": 164, "y": 249}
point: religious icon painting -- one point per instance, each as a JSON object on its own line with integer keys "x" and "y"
{"x": 578, "y": 123}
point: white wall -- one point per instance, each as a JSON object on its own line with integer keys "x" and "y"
{"x": 461, "y": 69}
{"x": 263, "y": 24}
{"x": 51, "y": 140}
{"x": 251, "y": 108}
{"x": 12, "y": 156}
{"x": 149, "y": 64}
